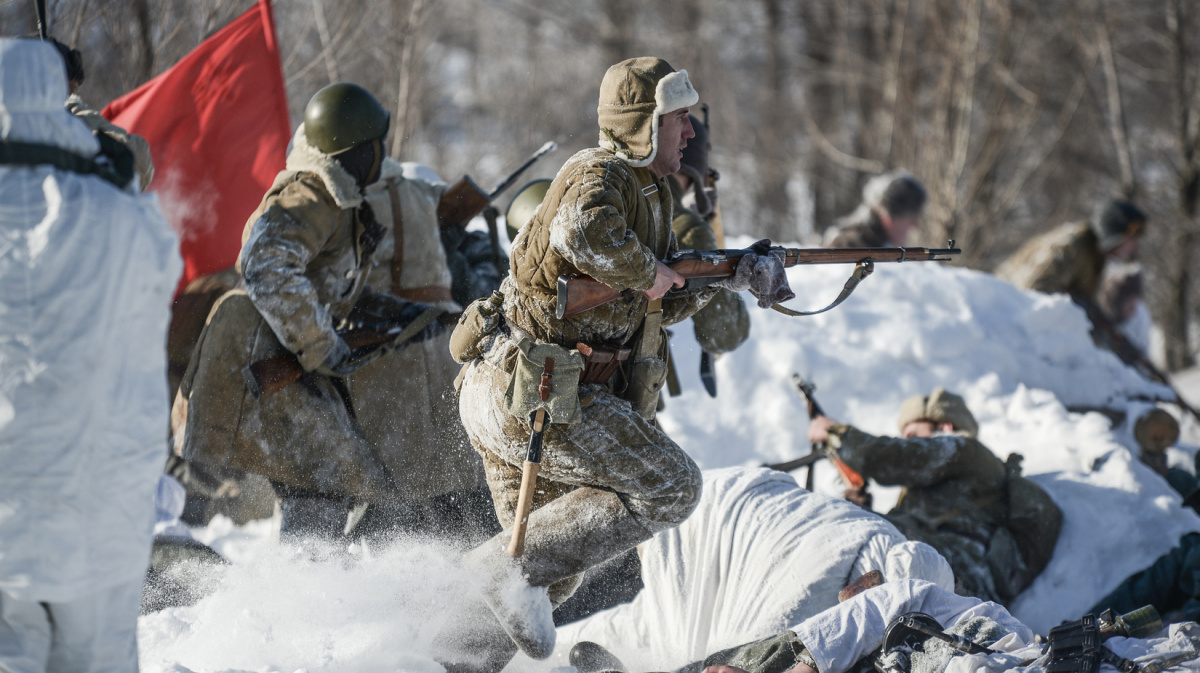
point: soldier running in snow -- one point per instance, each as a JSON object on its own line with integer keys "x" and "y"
{"x": 891, "y": 207}
{"x": 997, "y": 529}
{"x": 610, "y": 477}
{"x": 306, "y": 254}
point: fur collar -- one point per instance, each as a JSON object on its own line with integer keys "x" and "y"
{"x": 305, "y": 157}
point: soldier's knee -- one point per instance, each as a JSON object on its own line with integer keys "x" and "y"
{"x": 677, "y": 497}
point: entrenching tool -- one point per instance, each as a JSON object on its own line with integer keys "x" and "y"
{"x": 533, "y": 463}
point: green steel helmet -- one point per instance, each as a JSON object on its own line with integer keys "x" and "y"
{"x": 524, "y": 204}
{"x": 344, "y": 115}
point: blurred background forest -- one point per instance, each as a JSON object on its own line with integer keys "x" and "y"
{"x": 1017, "y": 115}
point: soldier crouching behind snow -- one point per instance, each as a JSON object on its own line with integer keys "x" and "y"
{"x": 306, "y": 254}
{"x": 997, "y": 529}
{"x": 610, "y": 478}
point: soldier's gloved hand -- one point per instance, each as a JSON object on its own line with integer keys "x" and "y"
{"x": 340, "y": 361}
{"x": 762, "y": 272}
{"x": 413, "y": 311}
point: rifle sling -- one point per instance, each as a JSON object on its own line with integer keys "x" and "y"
{"x": 861, "y": 271}
{"x": 33, "y": 154}
{"x": 419, "y": 323}
{"x": 397, "y": 235}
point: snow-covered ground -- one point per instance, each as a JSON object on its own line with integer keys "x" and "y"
{"x": 1019, "y": 360}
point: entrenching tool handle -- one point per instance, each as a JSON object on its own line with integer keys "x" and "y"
{"x": 529, "y": 473}
{"x": 533, "y": 464}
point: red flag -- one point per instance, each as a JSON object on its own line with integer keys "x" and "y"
{"x": 218, "y": 127}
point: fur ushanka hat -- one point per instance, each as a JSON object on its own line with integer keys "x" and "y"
{"x": 633, "y": 95}
{"x": 939, "y": 407}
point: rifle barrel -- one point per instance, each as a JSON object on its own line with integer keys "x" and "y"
{"x": 550, "y": 146}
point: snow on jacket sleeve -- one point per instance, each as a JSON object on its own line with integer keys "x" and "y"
{"x": 282, "y": 243}
{"x": 589, "y": 231}
{"x": 892, "y": 461}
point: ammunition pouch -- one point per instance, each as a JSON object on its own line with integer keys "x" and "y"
{"x": 648, "y": 372}
{"x": 523, "y": 397}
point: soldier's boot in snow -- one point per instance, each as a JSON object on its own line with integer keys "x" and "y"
{"x": 565, "y": 537}
{"x": 313, "y": 516}
{"x": 588, "y": 657}
{"x": 474, "y": 643}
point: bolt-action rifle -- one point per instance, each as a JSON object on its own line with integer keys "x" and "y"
{"x": 820, "y": 450}
{"x": 464, "y": 199}
{"x": 577, "y": 294}
{"x": 268, "y": 376}
{"x": 1107, "y": 333}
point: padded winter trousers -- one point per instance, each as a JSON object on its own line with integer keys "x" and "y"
{"x": 776, "y": 654}
{"x": 96, "y": 633}
{"x": 611, "y": 448}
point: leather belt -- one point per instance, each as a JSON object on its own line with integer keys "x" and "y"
{"x": 427, "y": 295}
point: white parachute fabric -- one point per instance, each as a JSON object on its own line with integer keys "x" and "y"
{"x": 758, "y": 555}
{"x": 86, "y": 277}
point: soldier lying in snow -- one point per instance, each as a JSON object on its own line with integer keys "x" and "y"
{"x": 997, "y": 529}
{"x": 862, "y": 634}
{"x": 753, "y": 528}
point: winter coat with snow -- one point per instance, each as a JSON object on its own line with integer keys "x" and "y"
{"x": 304, "y": 268}
{"x": 135, "y": 143}
{"x": 1065, "y": 259}
{"x": 86, "y": 276}
{"x": 997, "y": 530}
{"x": 405, "y": 401}
{"x": 724, "y": 323}
{"x": 605, "y": 219}
{"x": 860, "y": 229}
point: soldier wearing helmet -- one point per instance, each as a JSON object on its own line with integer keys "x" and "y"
{"x": 1071, "y": 257}
{"x": 996, "y": 528}
{"x": 307, "y": 251}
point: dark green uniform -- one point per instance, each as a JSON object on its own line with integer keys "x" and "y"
{"x": 724, "y": 324}
{"x": 997, "y": 529}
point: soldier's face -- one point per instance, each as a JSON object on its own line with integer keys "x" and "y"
{"x": 925, "y": 429}
{"x": 673, "y": 133}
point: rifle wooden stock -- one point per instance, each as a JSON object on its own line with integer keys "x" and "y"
{"x": 461, "y": 202}
{"x": 848, "y": 474}
{"x": 465, "y": 199}
{"x": 577, "y": 294}
{"x": 268, "y": 376}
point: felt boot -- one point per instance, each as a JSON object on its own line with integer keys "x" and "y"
{"x": 564, "y": 538}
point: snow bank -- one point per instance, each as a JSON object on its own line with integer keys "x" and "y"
{"x": 1019, "y": 360}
